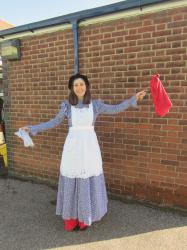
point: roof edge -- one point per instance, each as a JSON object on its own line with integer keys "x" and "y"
{"x": 80, "y": 15}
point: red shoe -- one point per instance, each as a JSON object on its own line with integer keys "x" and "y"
{"x": 82, "y": 225}
{"x": 70, "y": 225}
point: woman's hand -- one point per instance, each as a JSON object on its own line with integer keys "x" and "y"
{"x": 26, "y": 129}
{"x": 140, "y": 95}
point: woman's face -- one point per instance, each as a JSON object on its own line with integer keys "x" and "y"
{"x": 79, "y": 87}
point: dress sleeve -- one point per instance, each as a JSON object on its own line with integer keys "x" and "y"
{"x": 117, "y": 108}
{"x": 34, "y": 129}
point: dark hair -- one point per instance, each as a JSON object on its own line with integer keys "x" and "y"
{"x": 73, "y": 99}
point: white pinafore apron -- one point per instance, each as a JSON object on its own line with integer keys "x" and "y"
{"x": 81, "y": 156}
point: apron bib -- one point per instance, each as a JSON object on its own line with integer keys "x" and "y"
{"x": 81, "y": 156}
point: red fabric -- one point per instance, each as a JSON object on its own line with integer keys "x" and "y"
{"x": 161, "y": 101}
{"x": 70, "y": 224}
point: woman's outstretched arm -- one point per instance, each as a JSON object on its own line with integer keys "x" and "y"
{"x": 34, "y": 129}
{"x": 117, "y": 108}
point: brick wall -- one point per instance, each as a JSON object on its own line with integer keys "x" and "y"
{"x": 145, "y": 156}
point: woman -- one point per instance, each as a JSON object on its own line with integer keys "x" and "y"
{"x": 82, "y": 197}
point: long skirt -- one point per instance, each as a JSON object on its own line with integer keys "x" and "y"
{"x": 82, "y": 199}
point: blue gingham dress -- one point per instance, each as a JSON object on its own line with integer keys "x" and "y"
{"x": 81, "y": 187}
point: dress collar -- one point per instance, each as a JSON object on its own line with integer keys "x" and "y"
{"x": 80, "y": 104}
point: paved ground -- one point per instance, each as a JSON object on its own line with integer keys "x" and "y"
{"x": 28, "y": 221}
